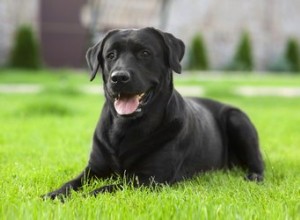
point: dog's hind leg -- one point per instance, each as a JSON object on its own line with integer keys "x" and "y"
{"x": 243, "y": 144}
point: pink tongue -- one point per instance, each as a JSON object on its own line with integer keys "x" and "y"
{"x": 127, "y": 105}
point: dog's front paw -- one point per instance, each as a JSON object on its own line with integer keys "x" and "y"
{"x": 107, "y": 189}
{"x": 57, "y": 194}
{"x": 256, "y": 177}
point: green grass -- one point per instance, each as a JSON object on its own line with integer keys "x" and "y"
{"x": 45, "y": 140}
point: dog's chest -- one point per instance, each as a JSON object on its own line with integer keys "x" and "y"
{"x": 132, "y": 145}
{"x": 126, "y": 144}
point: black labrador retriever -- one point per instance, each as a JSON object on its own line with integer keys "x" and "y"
{"x": 147, "y": 131}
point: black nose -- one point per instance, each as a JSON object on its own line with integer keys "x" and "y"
{"x": 120, "y": 77}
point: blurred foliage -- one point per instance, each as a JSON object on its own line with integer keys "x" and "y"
{"x": 243, "y": 60}
{"x": 25, "y": 53}
{"x": 280, "y": 65}
{"x": 47, "y": 107}
{"x": 290, "y": 60}
{"x": 198, "y": 59}
{"x": 292, "y": 55}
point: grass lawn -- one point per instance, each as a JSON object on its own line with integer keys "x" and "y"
{"x": 45, "y": 140}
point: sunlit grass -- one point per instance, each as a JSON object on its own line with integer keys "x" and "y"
{"x": 45, "y": 140}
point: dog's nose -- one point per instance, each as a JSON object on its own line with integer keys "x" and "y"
{"x": 120, "y": 77}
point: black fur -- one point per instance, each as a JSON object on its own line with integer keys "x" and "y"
{"x": 171, "y": 138}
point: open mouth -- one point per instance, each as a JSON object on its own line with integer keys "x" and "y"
{"x": 128, "y": 104}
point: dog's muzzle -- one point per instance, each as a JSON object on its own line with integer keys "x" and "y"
{"x": 120, "y": 77}
{"x": 127, "y": 100}
{"x": 129, "y": 104}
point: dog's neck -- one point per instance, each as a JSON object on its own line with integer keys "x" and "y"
{"x": 144, "y": 135}
{"x": 125, "y": 129}
{"x": 131, "y": 140}
{"x": 130, "y": 128}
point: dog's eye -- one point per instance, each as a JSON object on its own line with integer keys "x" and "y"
{"x": 145, "y": 53}
{"x": 110, "y": 56}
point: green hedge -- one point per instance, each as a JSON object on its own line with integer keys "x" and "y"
{"x": 25, "y": 52}
{"x": 290, "y": 60}
{"x": 292, "y": 55}
{"x": 243, "y": 60}
{"x": 198, "y": 59}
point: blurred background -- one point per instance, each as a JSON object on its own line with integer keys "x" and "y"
{"x": 260, "y": 35}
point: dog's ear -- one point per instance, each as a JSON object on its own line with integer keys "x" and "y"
{"x": 175, "y": 50}
{"x": 92, "y": 59}
{"x": 94, "y": 55}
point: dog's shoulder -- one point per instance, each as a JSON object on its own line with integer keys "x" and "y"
{"x": 214, "y": 106}
{"x": 215, "y": 109}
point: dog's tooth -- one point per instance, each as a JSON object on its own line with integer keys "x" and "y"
{"x": 141, "y": 96}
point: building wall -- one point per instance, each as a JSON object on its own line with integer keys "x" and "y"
{"x": 269, "y": 22}
{"x": 63, "y": 38}
{"x": 56, "y": 24}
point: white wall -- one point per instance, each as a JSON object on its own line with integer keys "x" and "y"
{"x": 221, "y": 22}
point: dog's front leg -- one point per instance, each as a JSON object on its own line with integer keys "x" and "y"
{"x": 134, "y": 181}
{"x": 107, "y": 189}
{"x": 75, "y": 184}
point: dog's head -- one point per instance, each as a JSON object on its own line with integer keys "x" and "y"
{"x": 136, "y": 65}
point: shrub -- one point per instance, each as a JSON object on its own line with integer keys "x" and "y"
{"x": 25, "y": 52}
{"x": 47, "y": 107}
{"x": 198, "y": 59}
{"x": 280, "y": 65}
{"x": 243, "y": 60}
{"x": 292, "y": 55}
{"x": 290, "y": 60}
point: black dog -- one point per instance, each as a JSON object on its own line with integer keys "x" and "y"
{"x": 147, "y": 130}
